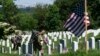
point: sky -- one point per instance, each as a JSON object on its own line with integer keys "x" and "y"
{"x": 32, "y": 3}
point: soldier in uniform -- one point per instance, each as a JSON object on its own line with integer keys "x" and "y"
{"x": 13, "y": 40}
{"x": 18, "y": 39}
{"x": 38, "y": 40}
{"x": 41, "y": 41}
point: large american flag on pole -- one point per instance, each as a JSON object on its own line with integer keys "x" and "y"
{"x": 75, "y": 23}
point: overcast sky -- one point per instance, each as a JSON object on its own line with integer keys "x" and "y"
{"x": 33, "y": 2}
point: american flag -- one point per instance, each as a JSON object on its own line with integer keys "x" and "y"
{"x": 75, "y": 23}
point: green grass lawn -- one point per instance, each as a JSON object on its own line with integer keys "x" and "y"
{"x": 78, "y": 53}
{"x": 8, "y": 54}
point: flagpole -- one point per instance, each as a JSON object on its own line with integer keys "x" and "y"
{"x": 86, "y": 25}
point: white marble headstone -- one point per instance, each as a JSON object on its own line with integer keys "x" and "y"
{"x": 9, "y": 50}
{"x": 3, "y": 43}
{"x": 96, "y": 33}
{"x": 8, "y": 43}
{"x": 92, "y": 42}
{"x": 3, "y": 50}
{"x": 60, "y": 35}
{"x": 12, "y": 45}
{"x": 65, "y": 43}
{"x": 53, "y": 47}
{"x": 75, "y": 46}
{"x": 19, "y": 50}
{"x": 49, "y": 50}
{"x": 98, "y": 44}
{"x": 64, "y": 35}
{"x": 50, "y": 41}
{"x": 55, "y": 38}
{"x": 61, "y": 48}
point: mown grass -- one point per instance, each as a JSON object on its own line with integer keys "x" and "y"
{"x": 5, "y": 54}
{"x": 78, "y": 53}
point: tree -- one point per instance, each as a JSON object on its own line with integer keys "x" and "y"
{"x": 1, "y": 16}
{"x": 9, "y": 11}
{"x": 53, "y": 21}
{"x": 94, "y": 12}
{"x": 65, "y": 8}
{"x": 40, "y": 14}
{"x": 26, "y": 21}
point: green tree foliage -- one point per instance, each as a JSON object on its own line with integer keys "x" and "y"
{"x": 26, "y": 21}
{"x": 1, "y": 16}
{"x": 94, "y": 12}
{"x": 40, "y": 14}
{"x": 53, "y": 21}
{"x": 0, "y": 2}
{"x": 65, "y": 8}
{"x": 9, "y": 11}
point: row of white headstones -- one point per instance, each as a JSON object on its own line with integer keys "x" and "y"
{"x": 6, "y": 46}
{"x": 65, "y": 36}
{"x": 52, "y": 37}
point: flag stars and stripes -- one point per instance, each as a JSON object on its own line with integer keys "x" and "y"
{"x": 75, "y": 23}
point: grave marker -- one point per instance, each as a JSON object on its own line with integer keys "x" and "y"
{"x": 92, "y": 43}
{"x": 9, "y": 50}
{"x": 49, "y": 50}
{"x": 75, "y": 46}
{"x": 99, "y": 44}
